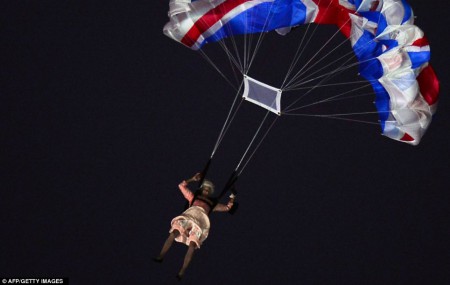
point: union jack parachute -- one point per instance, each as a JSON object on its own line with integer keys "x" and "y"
{"x": 393, "y": 54}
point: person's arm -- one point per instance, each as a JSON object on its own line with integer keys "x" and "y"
{"x": 187, "y": 193}
{"x": 225, "y": 208}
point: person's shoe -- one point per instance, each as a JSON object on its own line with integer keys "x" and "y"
{"x": 179, "y": 276}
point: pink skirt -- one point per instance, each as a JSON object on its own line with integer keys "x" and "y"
{"x": 193, "y": 225}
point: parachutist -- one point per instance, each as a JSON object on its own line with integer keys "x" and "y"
{"x": 192, "y": 226}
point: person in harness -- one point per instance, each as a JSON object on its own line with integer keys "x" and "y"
{"x": 192, "y": 226}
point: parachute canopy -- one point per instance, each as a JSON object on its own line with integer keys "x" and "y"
{"x": 393, "y": 53}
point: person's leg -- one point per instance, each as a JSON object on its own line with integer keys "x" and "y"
{"x": 167, "y": 244}
{"x": 187, "y": 259}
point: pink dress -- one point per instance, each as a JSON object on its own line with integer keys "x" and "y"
{"x": 193, "y": 224}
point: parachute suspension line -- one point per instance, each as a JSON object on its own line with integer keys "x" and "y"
{"x": 260, "y": 38}
{"x": 335, "y": 98}
{"x": 233, "y": 58}
{"x": 229, "y": 51}
{"x": 257, "y": 146}
{"x": 236, "y": 172}
{"x": 326, "y": 77}
{"x": 227, "y": 122}
{"x": 322, "y": 58}
{"x": 248, "y": 40}
{"x": 331, "y": 74}
{"x": 333, "y": 84}
{"x": 300, "y": 72}
{"x": 322, "y": 68}
{"x": 303, "y": 49}
{"x": 338, "y": 118}
{"x": 340, "y": 68}
{"x": 253, "y": 54}
{"x": 340, "y": 98}
{"x": 332, "y": 98}
{"x": 245, "y": 41}
{"x": 252, "y": 141}
{"x": 230, "y": 55}
{"x": 235, "y": 73}
{"x": 351, "y": 97}
{"x": 346, "y": 114}
{"x": 237, "y": 62}
{"x": 297, "y": 56}
{"x": 337, "y": 70}
{"x": 233, "y": 53}
{"x": 251, "y": 37}
{"x": 235, "y": 48}
{"x": 234, "y": 64}
{"x": 216, "y": 68}
{"x": 231, "y": 120}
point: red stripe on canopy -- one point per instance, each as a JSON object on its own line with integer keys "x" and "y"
{"x": 421, "y": 42}
{"x": 334, "y": 13}
{"x": 208, "y": 20}
{"x": 429, "y": 85}
{"x": 407, "y": 138}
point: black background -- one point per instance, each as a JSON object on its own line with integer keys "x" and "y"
{"x": 102, "y": 116}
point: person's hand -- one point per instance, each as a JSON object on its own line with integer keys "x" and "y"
{"x": 232, "y": 196}
{"x": 197, "y": 177}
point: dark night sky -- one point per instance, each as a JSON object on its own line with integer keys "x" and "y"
{"x": 102, "y": 116}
